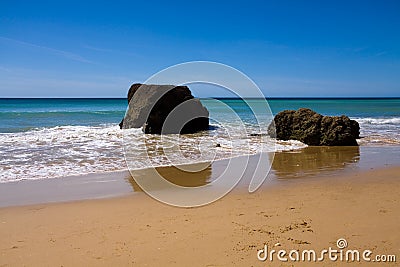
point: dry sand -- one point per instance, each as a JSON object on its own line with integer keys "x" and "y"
{"x": 362, "y": 206}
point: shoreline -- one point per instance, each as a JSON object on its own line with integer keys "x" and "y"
{"x": 302, "y": 164}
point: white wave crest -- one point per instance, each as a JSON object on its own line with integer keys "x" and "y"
{"x": 75, "y": 150}
{"x": 393, "y": 121}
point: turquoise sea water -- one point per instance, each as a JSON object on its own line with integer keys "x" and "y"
{"x": 18, "y": 115}
{"x": 58, "y": 137}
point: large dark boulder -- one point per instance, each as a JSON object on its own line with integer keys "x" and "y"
{"x": 164, "y": 109}
{"x": 314, "y": 129}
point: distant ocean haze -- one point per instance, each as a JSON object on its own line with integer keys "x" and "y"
{"x": 45, "y": 138}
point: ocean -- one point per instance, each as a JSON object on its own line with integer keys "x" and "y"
{"x": 50, "y": 138}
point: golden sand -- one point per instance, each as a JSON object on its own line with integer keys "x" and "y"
{"x": 363, "y": 207}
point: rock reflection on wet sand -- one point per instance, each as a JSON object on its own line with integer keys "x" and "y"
{"x": 312, "y": 161}
{"x": 303, "y": 163}
{"x": 180, "y": 177}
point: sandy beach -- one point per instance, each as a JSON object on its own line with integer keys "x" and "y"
{"x": 212, "y": 133}
{"x": 359, "y": 205}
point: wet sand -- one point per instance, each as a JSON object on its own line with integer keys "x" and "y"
{"x": 310, "y": 200}
{"x": 287, "y": 167}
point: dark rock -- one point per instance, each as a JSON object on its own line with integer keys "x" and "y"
{"x": 164, "y": 109}
{"x": 258, "y": 134}
{"x": 314, "y": 129}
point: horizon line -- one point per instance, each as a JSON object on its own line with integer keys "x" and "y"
{"x": 225, "y": 98}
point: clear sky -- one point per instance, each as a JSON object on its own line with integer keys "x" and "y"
{"x": 289, "y": 48}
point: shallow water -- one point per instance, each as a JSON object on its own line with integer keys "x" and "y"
{"x": 47, "y": 138}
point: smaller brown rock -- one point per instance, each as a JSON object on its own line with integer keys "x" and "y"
{"x": 314, "y": 129}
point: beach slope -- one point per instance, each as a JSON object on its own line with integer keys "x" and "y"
{"x": 361, "y": 207}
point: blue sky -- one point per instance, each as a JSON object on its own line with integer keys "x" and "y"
{"x": 289, "y": 48}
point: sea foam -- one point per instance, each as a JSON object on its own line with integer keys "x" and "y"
{"x": 75, "y": 150}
